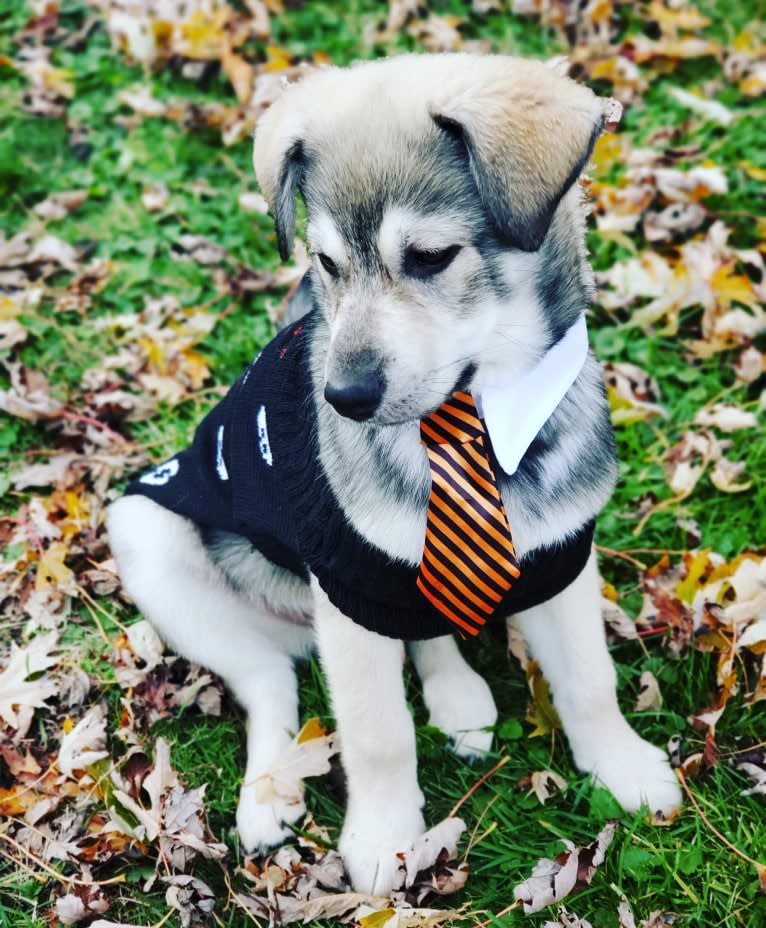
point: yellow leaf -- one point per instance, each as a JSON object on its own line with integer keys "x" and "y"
{"x": 278, "y": 58}
{"x": 608, "y": 148}
{"x": 204, "y": 34}
{"x": 377, "y": 919}
{"x": 686, "y": 588}
{"x": 753, "y": 170}
{"x": 753, "y": 85}
{"x": 729, "y": 287}
{"x": 541, "y": 712}
{"x": 52, "y": 572}
{"x": 154, "y": 352}
{"x": 9, "y": 308}
{"x": 312, "y": 729}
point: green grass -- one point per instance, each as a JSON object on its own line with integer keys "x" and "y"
{"x": 682, "y": 869}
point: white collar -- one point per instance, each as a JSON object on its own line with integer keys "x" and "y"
{"x": 514, "y": 411}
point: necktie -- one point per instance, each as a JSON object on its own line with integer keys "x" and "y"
{"x": 469, "y": 561}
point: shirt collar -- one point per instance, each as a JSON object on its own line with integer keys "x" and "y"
{"x": 515, "y": 410}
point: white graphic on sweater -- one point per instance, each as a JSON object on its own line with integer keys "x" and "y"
{"x": 263, "y": 436}
{"x": 161, "y": 474}
{"x": 220, "y": 464}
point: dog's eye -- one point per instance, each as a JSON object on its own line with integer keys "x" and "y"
{"x": 328, "y": 264}
{"x": 426, "y": 263}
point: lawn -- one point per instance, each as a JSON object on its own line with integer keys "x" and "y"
{"x": 139, "y": 274}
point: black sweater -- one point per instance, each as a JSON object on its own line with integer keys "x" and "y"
{"x": 254, "y": 469}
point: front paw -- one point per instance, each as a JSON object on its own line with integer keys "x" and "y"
{"x": 636, "y": 773}
{"x": 370, "y": 842}
{"x": 264, "y": 825}
{"x": 462, "y": 706}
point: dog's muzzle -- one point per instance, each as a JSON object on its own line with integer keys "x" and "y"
{"x": 359, "y": 398}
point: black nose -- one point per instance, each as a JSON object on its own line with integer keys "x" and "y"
{"x": 358, "y": 399}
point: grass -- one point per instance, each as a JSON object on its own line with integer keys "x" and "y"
{"x": 683, "y": 869}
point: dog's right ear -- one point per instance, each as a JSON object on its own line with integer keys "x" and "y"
{"x": 278, "y": 159}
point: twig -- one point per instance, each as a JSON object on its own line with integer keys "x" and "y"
{"x": 657, "y": 630}
{"x": 95, "y": 605}
{"x": 753, "y": 747}
{"x": 760, "y": 868}
{"x": 509, "y": 908}
{"x": 480, "y": 782}
{"x": 610, "y": 552}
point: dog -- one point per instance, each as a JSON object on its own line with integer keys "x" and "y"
{"x": 447, "y": 239}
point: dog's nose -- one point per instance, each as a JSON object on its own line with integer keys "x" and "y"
{"x": 358, "y": 399}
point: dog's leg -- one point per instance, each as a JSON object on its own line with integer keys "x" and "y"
{"x": 459, "y": 701}
{"x": 377, "y": 737}
{"x": 167, "y": 571}
{"x": 567, "y": 637}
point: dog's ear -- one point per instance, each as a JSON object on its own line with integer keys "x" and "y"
{"x": 278, "y": 159}
{"x": 528, "y": 133}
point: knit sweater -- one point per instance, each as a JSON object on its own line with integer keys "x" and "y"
{"x": 254, "y": 469}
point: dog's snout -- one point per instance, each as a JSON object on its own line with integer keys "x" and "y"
{"x": 358, "y": 398}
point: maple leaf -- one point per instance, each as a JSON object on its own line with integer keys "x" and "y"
{"x": 19, "y": 694}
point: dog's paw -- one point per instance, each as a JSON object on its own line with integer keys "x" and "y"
{"x": 461, "y": 705}
{"x": 369, "y": 844}
{"x": 637, "y": 773}
{"x": 264, "y": 825}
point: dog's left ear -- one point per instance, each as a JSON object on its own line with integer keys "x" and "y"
{"x": 278, "y": 159}
{"x": 528, "y": 133}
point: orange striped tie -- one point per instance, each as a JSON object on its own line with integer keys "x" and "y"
{"x": 469, "y": 561}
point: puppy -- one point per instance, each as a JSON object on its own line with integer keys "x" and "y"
{"x": 447, "y": 237}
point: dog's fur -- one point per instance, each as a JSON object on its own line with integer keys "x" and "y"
{"x": 424, "y": 152}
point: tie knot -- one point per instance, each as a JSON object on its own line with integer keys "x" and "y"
{"x": 453, "y": 423}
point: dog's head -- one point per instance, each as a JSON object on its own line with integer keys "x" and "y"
{"x": 430, "y": 184}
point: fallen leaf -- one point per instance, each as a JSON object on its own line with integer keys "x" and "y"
{"x": 649, "y": 695}
{"x": 711, "y": 109}
{"x": 544, "y": 783}
{"x": 20, "y": 695}
{"x": 301, "y": 758}
{"x": 85, "y": 743}
{"x": 553, "y": 880}
{"x": 726, "y": 418}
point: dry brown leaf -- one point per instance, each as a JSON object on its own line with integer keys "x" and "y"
{"x": 59, "y": 205}
{"x": 20, "y": 696}
{"x": 553, "y": 880}
{"x": 85, "y": 743}
{"x": 305, "y": 756}
{"x": 726, "y": 418}
{"x": 649, "y": 695}
{"x": 427, "y": 848}
{"x": 618, "y": 623}
{"x": 544, "y": 783}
